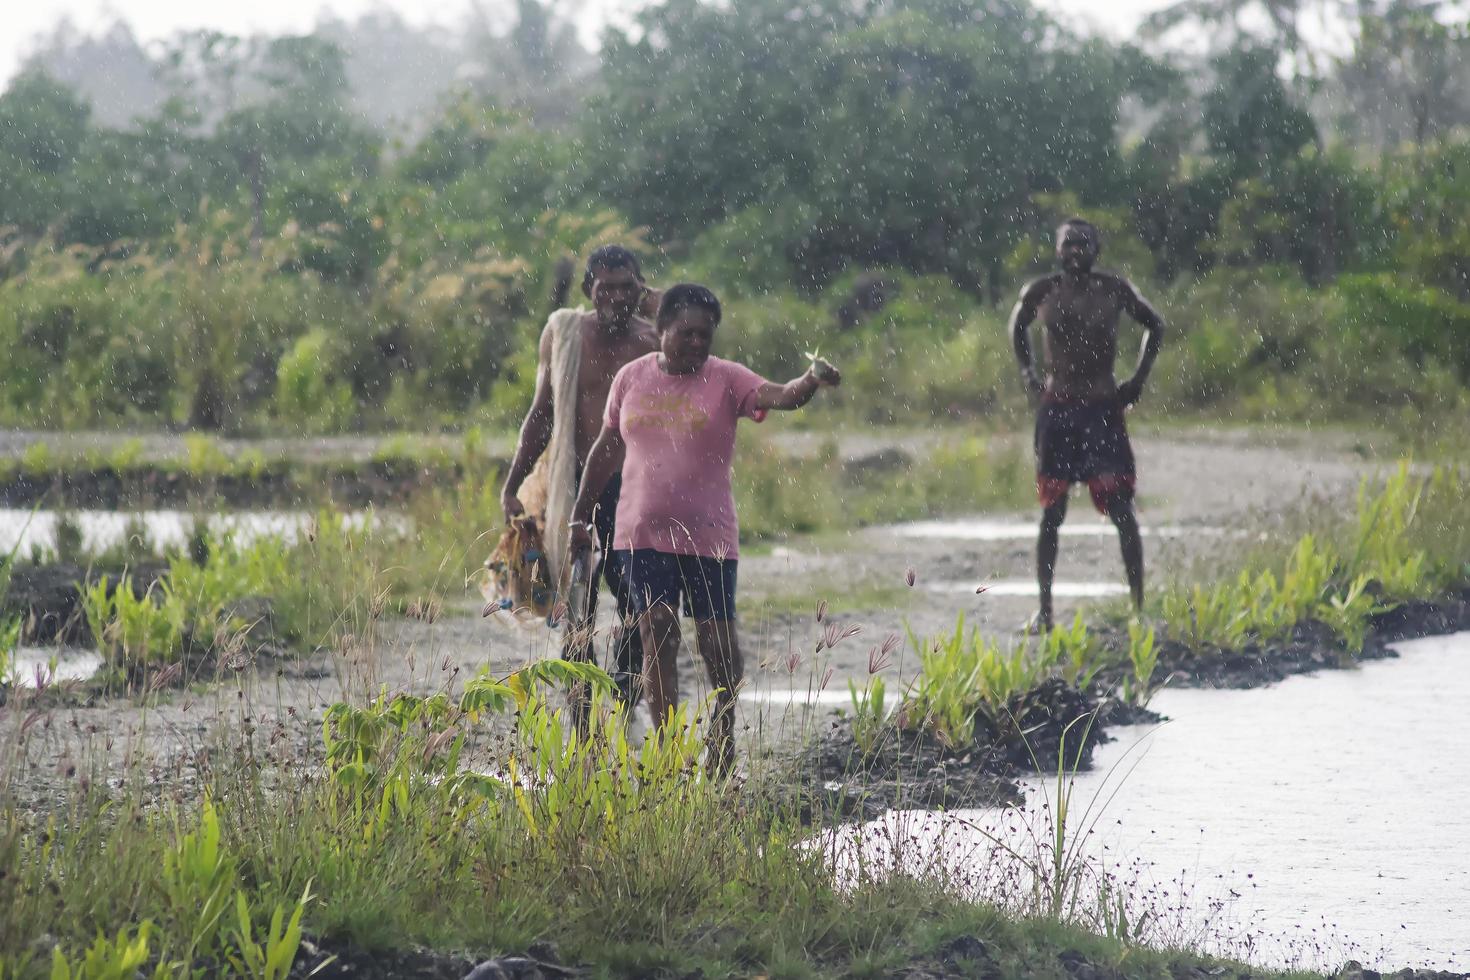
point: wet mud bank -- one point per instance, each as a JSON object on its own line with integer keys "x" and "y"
{"x": 961, "y": 957}
{"x": 48, "y": 598}
{"x": 1310, "y": 647}
{"x": 908, "y": 768}
{"x": 282, "y": 483}
{"x": 1058, "y": 726}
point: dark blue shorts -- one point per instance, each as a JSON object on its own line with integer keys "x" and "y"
{"x": 703, "y": 587}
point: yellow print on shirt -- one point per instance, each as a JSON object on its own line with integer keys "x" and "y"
{"x": 670, "y": 412}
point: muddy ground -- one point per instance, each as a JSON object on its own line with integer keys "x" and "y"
{"x": 1208, "y": 494}
{"x": 1213, "y": 492}
{"x": 963, "y": 957}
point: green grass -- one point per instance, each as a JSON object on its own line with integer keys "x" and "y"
{"x": 1406, "y": 540}
{"x": 630, "y": 861}
{"x": 341, "y": 576}
{"x": 397, "y": 833}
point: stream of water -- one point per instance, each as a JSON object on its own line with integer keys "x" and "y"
{"x": 24, "y": 530}
{"x": 1322, "y": 819}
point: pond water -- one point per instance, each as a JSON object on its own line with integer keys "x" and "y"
{"x": 1323, "y": 819}
{"x": 1028, "y": 587}
{"x": 23, "y": 530}
{"x": 984, "y": 529}
{"x": 52, "y": 665}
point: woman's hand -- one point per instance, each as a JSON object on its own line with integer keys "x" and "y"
{"x": 825, "y": 372}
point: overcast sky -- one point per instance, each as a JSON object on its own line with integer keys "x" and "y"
{"x": 153, "y": 19}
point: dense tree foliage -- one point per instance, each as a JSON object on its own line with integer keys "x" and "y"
{"x": 253, "y": 221}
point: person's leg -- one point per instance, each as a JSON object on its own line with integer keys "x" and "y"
{"x": 659, "y": 626}
{"x": 653, "y": 579}
{"x": 1117, "y": 503}
{"x": 1053, "y": 513}
{"x": 1112, "y": 490}
{"x": 627, "y": 665}
{"x": 712, "y": 606}
{"x": 1056, "y": 451}
{"x": 719, "y": 647}
{"x": 577, "y": 647}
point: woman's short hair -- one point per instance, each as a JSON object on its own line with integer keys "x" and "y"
{"x": 687, "y": 296}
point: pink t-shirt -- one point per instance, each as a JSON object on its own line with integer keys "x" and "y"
{"x": 680, "y": 434}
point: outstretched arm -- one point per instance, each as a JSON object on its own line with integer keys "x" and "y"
{"x": 797, "y": 392}
{"x": 605, "y": 459}
{"x": 1153, "y": 340}
{"x": 1020, "y": 326}
{"x": 535, "y": 432}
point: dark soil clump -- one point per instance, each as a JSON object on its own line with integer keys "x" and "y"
{"x": 48, "y": 602}
{"x": 330, "y": 961}
{"x": 911, "y": 769}
{"x": 276, "y": 484}
{"x": 1311, "y": 646}
{"x": 1058, "y": 726}
{"x": 345, "y": 961}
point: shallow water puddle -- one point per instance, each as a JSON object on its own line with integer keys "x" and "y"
{"x": 23, "y": 530}
{"x": 798, "y": 697}
{"x": 1322, "y": 819}
{"x": 51, "y": 665}
{"x": 979, "y": 529}
{"x": 1022, "y": 587}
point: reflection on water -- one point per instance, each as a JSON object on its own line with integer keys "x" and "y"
{"x": 23, "y": 530}
{"x": 51, "y": 665}
{"x": 1321, "y": 819}
{"x": 1023, "y": 587}
{"x": 987, "y": 530}
{"x": 803, "y": 696}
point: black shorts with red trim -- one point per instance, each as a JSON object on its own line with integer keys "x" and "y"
{"x": 1083, "y": 442}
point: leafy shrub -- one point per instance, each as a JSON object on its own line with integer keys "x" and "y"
{"x": 133, "y": 631}
{"x": 305, "y": 391}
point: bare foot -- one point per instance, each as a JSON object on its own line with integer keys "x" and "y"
{"x": 1038, "y": 625}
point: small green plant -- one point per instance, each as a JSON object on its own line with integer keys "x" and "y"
{"x": 1308, "y": 574}
{"x": 107, "y": 959}
{"x": 126, "y": 455}
{"x": 1202, "y": 618}
{"x": 9, "y": 640}
{"x": 869, "y": 713}
{"x": 1263, "y": 614}
{"x": 66, "y": 540}
{"x": 1143, "y": 656}
{"x": 199, "y": 876}
{"x": 10, "y": 626}
{"x": 137, "y": 540}
{"x": 37, "y": 459}
{"x": 203, "y": 456}
{"x": 132, "y": 630}
{"x": 1349, "y": 612}
{"x": 1074, "y": 652}
{"x": 1384, "y": 547}
{"x": 270, "y": 957}
{"x": 963, "y": 674}
{"x": 1055, "y": 855}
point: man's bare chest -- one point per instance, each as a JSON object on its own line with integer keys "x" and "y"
{"x": 1082, "y": 315}
{"x": 600, "y": 365}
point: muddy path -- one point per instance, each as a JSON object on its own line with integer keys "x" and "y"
{"x": 1204, "y": 496}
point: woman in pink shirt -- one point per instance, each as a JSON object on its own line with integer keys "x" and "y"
{"x": 670, "y": 426}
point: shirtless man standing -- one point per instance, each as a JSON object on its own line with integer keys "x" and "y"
{"x": 1080, "y": 433}
{"x": 612, "y": 335}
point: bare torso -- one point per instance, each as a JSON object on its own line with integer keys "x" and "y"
{"x": 602, "y": 358}
{"x": 1080, "y": 320}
